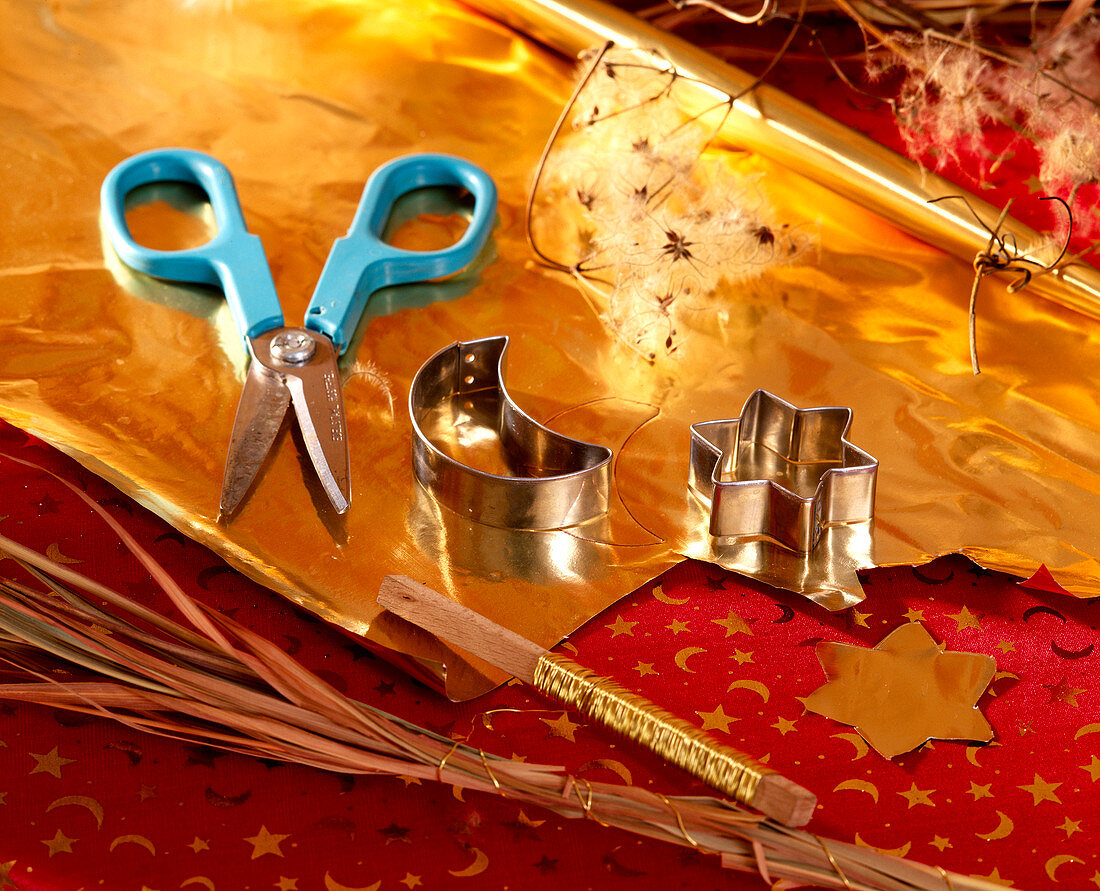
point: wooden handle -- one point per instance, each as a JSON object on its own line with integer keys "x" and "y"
{"x": 460, "y": 626}
{"x": 774, "y": 795}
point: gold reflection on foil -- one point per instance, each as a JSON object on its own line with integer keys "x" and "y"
{"x": 302, "y": 100}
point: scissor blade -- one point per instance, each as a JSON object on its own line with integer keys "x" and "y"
{"x": 319, "y": 404}
{"x": 260, "y": 413}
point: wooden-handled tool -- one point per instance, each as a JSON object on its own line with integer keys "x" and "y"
{"x": 602, "y": 700}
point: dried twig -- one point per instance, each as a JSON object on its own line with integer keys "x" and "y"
{"x": 1028, "y": 67}
{"x": 655, "y": 225}
{"x": 766, "y": 9}
{"x": 1002, "y": 254}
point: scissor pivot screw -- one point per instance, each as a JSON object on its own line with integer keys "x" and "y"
{"x": 292, "y": 347}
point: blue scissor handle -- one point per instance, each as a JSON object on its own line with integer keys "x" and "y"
{"x": 360, "y": 263}
{"x": 233, "y": 258}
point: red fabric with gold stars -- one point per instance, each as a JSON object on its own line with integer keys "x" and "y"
{"x": 89, "y": 803}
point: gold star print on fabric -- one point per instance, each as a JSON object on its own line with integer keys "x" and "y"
{"x": 1093, "y": 768}
{"x": 1006, "y": 646}
{"x": 1035, "y": 186}
{"x": 784, "y": 726}
{"x": 677, "y": 626}
{"x": 285, "y": 884}
{"x": 50, "y": 763}
{"x": 562, "y": 727}
{"x": 733, "y": 624}
{"x": 964, "y": 619}
{"x": 860, "y": 619}
{"x": 199, "y": 844}
{"x": 60, "y": 842}
{"x": 904, "y": 691}
{"x": 524, "y": 820}
{"x": 917, "y": 796}
{"x": 1041, "y": 790}
{"x": 940, "y": 843}
{"x": 411, "y": 881}
{"x": 980, "y": 791}
{"x": 264, "y": 842}
{"x": 1070, "y": 826}
{"x": 994, "y": 876}
{"x": 742, "y": 657}
{"x": 621, "y": 626}
{"x": 644, "y": 668}
{"x": 914, "y": 615}
{"x": 716, "y": 720}
{"x": 1063, "y": 692}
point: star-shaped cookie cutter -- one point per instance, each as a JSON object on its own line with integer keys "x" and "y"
{"x": 550, "y": 481}
{"x": 781, "y": 472}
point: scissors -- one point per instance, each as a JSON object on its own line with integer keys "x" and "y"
{"x": 295, "y": 365}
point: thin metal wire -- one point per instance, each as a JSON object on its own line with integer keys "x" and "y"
{"x": 491, "y": 775}
{"x": 586, "y": 804}
{"x": 679, "y": 821}
{"x": 832, "y": 862}
{"x": 443, "y": 762}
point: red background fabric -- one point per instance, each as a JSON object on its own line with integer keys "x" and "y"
{"x": 89, "y": 803}
{"x": 175, "y": 815}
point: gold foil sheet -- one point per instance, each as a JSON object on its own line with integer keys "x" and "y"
{"x": 302, "y": 100}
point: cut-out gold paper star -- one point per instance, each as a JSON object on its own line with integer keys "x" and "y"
{"x": 904, "y": 691}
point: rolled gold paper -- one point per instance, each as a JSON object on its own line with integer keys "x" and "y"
{"x": 794, "y": 135}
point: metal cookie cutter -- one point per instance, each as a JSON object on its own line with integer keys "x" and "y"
{"x": 781, "y": 472}
{"x": 551, "y": 481}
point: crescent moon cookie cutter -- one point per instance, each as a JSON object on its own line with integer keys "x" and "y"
{"x": 550, "y": 481}
{"x": 781, "y": 472}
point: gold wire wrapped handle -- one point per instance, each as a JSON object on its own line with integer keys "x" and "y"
{"x": 606, "y": 702}
{"x": 601, "y": 700}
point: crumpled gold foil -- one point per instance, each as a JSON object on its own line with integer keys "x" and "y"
{"x": 302, "y": 99}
